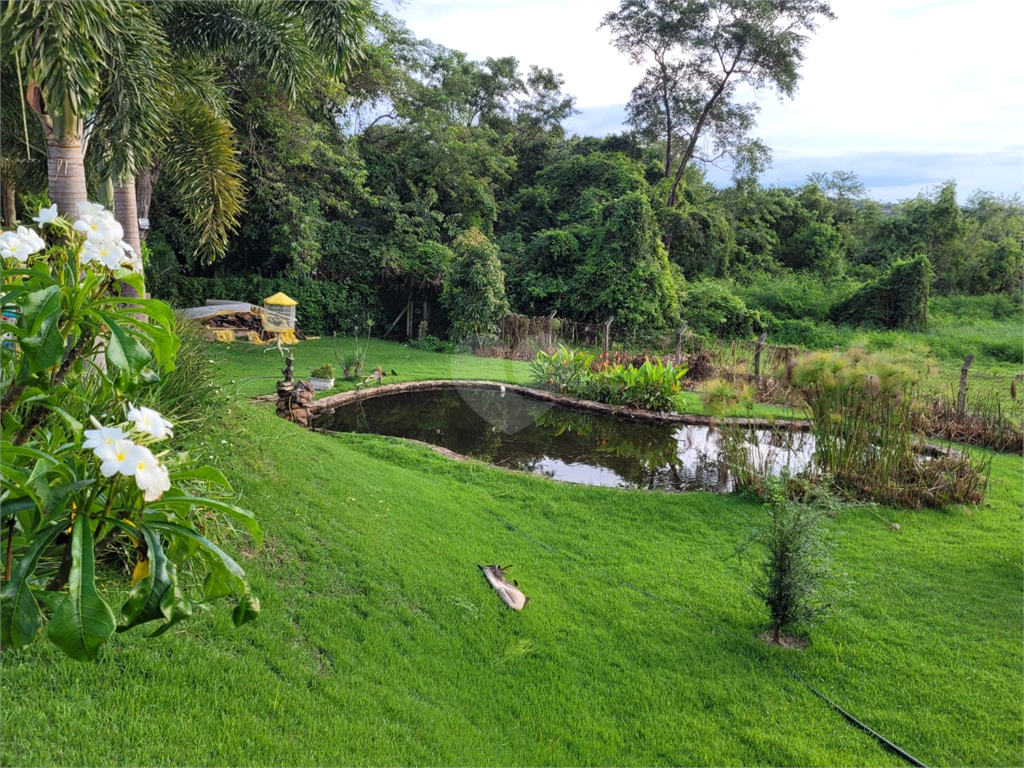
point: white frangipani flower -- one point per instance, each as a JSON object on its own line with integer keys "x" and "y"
{"x": 121, "y": 457}
{"x": 11, "y": 247}
{"x": 46, "y": 215}
{"x": 97, "y": 223}
{"x": 150, "y": 422}
{"x": 31, "y": 239}
{"x": 150, "y": 475}
{"x": 110, "y": 253}
{"x": 89, "y": 209}
{"x": 90, "y": 252}
{"x": 94, "y": 438}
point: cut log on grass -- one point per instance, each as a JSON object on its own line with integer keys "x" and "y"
{"x": 508, "y": 592}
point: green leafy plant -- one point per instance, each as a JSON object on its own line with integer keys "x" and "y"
{"x": 74, "y": 345}
{"x": 564, "y": 370}
{"x": 325, "y": 371}
{"x": 652, "y": 385}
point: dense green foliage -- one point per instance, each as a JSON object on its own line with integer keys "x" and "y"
{"x": 649, "y": 385}
{"x": 360, "y": 175}
{"x": 896, "y": 299}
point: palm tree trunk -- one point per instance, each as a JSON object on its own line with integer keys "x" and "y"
{"x": 144, "y": 184}
{"x": 127, "y": 215}
{"x": 8, "y": 201}
{"x": 66, "y": 168}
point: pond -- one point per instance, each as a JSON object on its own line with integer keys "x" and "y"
{"x": 568, "y": 444}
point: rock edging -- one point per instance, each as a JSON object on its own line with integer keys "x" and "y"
{"x": 346, "y": 398}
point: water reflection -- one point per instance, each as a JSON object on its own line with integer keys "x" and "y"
{"x": 513, "y": 431}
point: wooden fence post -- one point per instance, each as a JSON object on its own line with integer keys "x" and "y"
{"x": 607, "y": 334}
{"x": 757, "y": 362}
{"x": 679, "y": 344}
{"x": 961, "y": 398}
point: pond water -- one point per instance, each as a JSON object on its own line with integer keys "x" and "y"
{"x": 568, "y": 444}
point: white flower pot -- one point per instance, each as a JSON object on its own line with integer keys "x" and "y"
{"x": 320, "y": 384}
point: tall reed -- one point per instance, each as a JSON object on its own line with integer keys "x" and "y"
{"x": 864, "y": 410}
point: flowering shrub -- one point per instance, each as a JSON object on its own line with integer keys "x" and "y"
{"x": 75, "y": 348}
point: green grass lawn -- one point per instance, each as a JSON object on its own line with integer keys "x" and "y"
{"x": 250, "y": 370}
{"x": 381, "y": 644}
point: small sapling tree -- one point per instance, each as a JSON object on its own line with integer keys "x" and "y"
{"x": 794, "y": 574}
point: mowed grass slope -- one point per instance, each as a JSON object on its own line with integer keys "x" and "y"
{"x": 381, "y": 644}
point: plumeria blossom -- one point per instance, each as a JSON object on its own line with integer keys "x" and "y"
{"x": 98, "y": 224}
{"x": 89, "y": 209}
{"x": 150, "y": 475}
{"x": 120, "y": 457}
{"x": 109, "y": 253}
{"x": 21, "y": 244}
{"x": 32, "y": 239}
{"x": 11, "y": 247}
{"x": 46, "y": 215}
{"x": 150, "y": 422}
{"x": 94, "y": 438}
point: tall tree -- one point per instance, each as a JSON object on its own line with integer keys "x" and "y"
{"x": 699, "y": 53}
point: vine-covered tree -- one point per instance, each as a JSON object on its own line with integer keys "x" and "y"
{"x": 474, "y": 293}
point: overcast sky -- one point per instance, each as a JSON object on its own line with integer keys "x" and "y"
{"x": 905, "y": 94}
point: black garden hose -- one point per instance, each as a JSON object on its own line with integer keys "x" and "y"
{"x": 877, "y": 736}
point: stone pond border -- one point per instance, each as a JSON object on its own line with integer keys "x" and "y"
{"x": 318, "y": 407}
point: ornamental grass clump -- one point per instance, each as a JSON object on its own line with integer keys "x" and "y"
{"x": 78, "y": 350}
{"x": 863, "y": 409}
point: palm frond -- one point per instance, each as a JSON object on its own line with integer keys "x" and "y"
{"x": 336, "y": 30}
{"x": 201, "y": 165}
{"x": 130, "y": 121}
{"x": 252, "y": 38}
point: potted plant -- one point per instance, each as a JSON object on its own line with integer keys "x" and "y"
{"x": 322, "y": 378}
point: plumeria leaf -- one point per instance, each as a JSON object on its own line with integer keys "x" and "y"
{"x": 247, "y": 609}
{"x": 124, "y": 352}
{"x": 222, "y": 557}
{"x": 36, "y": 307}
{"x": 44, "y": 348}
{"x": 82, "y": 621}
{"x": 184, "y": 504}
{"x": 143, "y": 603}
{"x": 209, "y": 474}
{"x": 175, "y": 606}
{"x": 20, "y": 617}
